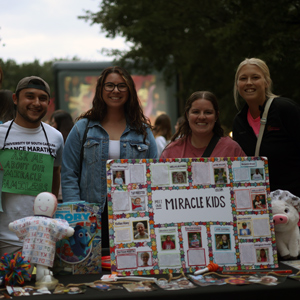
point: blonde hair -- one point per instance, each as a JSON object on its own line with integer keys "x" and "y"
{"x": 264, "y": 69}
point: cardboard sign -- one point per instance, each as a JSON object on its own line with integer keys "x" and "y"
{"x": 80, "y": 253}
{"x": 25, "y": 172}
{"x": 179, "y": 215}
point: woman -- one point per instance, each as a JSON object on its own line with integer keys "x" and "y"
{"x": 162, "y": 132}
{"x": 200, "y": 127}
{"x": 180, "y": 121}
{"x": 115, "y": 128}
{"x": 281, "y": 140}
{"x": 62, "y": 121}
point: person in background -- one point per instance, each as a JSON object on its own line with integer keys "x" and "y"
{"x": 162, "y": 132}
{"x": 201, "y": 126}
{"x": 22, "y": 135}
{"x": 62, "y": 121}
{"x": 281, "y": 139}
{"x": 179, "y": 122}
{"x": 114, "y": 128}
{"x": 7, "y": 107}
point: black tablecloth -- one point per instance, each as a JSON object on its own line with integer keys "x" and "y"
{"x": 289, "y": 288}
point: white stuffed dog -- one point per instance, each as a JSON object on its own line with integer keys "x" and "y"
{"x": 286, "y": 209}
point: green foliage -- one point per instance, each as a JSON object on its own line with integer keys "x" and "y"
{"x": 13, "y": 73}
{"x": 201, "y": 42}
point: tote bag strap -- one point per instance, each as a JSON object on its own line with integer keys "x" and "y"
{"x": 263, "y": 122}
{"x": 82, "y": 149}
{"x": 211, "y": 146}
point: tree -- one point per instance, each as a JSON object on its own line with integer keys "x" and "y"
{"x": 201, "y": 42}
{"x": 13, "y": 72}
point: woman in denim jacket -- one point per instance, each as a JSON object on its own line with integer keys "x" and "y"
{"x": 116, "y": 129}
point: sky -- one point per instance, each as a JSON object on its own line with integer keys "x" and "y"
{"x": 49, "y": 29}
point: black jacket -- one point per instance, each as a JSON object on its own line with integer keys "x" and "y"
{"x": 280, "y": 142}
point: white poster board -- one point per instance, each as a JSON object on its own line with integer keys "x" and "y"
{"x": 181, "y": 214}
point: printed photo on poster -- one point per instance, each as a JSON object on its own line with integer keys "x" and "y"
{"x": 140, "y": 230}
{"x": 257, "y": 174}
{"x": 259, "y": 201}
{"x": 145, "y": 259}
{"x": 179, "y": 177}
{"x": 220, "y": 176}
{"x": 262, "y": 255}
{"x": 194, "y": 239}
{"x": 223, "y": 241}
{"x": 138, "y": 203}
{"x": 168, "y": 242}
{"x": 118, "y": 177}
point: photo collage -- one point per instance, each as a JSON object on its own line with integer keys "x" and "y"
{"x": 181, "y": 214}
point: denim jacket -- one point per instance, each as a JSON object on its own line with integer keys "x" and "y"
{"x": 93, "y": 187}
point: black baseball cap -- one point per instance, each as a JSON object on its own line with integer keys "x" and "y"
{"x": 33, "y": 82}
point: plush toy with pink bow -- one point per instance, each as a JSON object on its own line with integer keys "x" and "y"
{"x": 286, "y": 208}
{"x": 40, "y": 233}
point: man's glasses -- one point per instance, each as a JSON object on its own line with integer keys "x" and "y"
{"x": 109, "y": 87}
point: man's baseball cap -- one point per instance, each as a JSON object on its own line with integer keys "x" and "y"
{"x": 33, "y": 82}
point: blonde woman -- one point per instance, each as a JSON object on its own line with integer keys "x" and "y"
{"x": 281, "y": 139}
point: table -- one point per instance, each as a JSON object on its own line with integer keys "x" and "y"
{"x": 281, "y": 291}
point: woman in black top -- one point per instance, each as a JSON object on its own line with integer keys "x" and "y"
{"x": 281, "y": 138}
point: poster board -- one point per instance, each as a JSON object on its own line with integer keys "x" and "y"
{"x": 80, "y": 253}
{"x": 179, "y": 215}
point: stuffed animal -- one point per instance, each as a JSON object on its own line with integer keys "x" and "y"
{"x": 40, "y": 233}
{"x": 286, "y": 209}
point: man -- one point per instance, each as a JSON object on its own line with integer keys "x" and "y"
{"x": 27, "y": 133}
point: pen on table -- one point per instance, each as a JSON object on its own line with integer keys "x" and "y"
{"x": 212, "y": 267}
{"x": 257, "y": 272}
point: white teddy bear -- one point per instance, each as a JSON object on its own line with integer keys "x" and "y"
{"x": 40, "y": 233}
{"x": 286, "y": 209}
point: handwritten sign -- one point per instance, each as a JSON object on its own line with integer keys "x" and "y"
{"x": 179, "y": 215}
{"x": 26, "y": 172}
